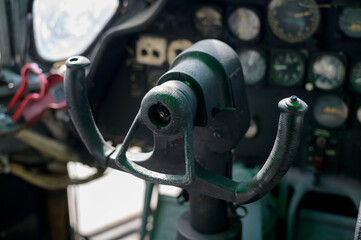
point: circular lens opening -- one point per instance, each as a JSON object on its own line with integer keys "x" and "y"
{"x": 159, "y": 115}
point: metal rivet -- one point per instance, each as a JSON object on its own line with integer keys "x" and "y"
{"x": 293, "y": 102}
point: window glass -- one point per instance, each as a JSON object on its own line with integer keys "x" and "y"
{"x": 66, "y": 28}
{"x": 104, "y": 202}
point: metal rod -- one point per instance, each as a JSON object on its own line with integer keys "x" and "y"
{"x": 146, "y": 209}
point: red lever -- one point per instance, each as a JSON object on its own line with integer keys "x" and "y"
{"x": 53, "y": 98}
{"x": 24, "y": 85}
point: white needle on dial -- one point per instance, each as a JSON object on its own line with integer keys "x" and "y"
{"x": 279, "y": 67}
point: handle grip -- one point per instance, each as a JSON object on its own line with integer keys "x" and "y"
{"x": 80, "y": 112}
{"x": 196, "y": 177}
{"x": 280, "y": 159}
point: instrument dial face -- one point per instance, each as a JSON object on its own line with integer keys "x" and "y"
{"x": 359, "y": 115}
{"x": 287, "y": 68}
{"x": 244, "y": 24}
{"x": 208, "y": 22}
{"x": 356, "y": 77}
{"x": 292, "y": 22}
{"x": 328, "y": 72}
{"x": 330, "y": 111}
{"x": 253, "y": 66}
{"x": 350, "y": 22}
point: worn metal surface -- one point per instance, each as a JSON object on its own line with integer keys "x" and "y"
{"x": 78, "y": 107}
{"x": 358, "y": 225}
{"x": 187, "y": 232}
{"x": 174, "y": 148}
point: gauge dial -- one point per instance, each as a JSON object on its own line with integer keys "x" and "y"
{"x": 287, "y": 68}
{"x": 359, "y": 115}
{"x": 330, "y": 111}
{"x": 208, "y": 22}
{"x": 253, "y": 66}
{"x": 244, "y": 24}
{"x": 350, "y": 22}
{"x": 292, "y": 22}
{"x": 356, "y": 77}
{"x": 328, "y": 72}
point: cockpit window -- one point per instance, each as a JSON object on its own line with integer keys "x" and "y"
{"x": 66, "y": 28}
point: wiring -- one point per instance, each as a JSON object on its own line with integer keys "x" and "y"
{"x": 49, "y": 181}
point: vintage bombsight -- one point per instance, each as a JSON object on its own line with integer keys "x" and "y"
{"x": 198, "y": 112}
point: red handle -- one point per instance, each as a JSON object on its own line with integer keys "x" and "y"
{"x": 24, "y": 84}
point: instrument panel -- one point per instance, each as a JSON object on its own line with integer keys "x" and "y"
{"x": 285, "y": 47}
{"x": 287, "y": 68}
{"x": 244, "y": 24}
{"x": 254, "y": 66}
{"x": 350, "y": 22}
{"x": 208, "y": 22}
{"x": 292, "y": 21}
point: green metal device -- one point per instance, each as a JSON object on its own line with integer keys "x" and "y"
{"x": 197, "y": 112}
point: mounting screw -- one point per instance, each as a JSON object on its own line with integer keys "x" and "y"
{"x": 293, "y": 102}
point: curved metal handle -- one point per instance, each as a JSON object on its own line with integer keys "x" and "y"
{"x": 196, "y": 177}
{"x": 129, "y": 165}
{"x": 80, "y": 112}
{"x": 357, "y": 235}
{"x": 33, "y": 67}
{"x": 167, "y": 109}
{"x": 281, "y": 157}
{"x": 180, "y": 99}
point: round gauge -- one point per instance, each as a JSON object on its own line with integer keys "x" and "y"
{"x": 356, "y": 77}
{"x": 253, "y": 66}
{"x": 328, "y": 72}
{"x": 208, "y": 22}
{"x": 291, "y": 21}
{"x": 287, "y": 68}
{"x": 359, "y": 114}
{"x": 350, "y": 22}
{"x": 244, "y": 24}
{"x": 330, "y": 111}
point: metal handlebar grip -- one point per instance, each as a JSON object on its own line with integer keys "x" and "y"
{"x": 203, "y": 89}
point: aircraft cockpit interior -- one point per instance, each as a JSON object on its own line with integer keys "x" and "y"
{"x": 187, "y": 120}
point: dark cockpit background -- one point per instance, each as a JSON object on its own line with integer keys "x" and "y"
{"x": 319, "y": 61}
{"x": 308, "y": 48}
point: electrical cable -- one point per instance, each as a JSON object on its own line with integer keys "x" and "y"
{"x": 48, "y": 181}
